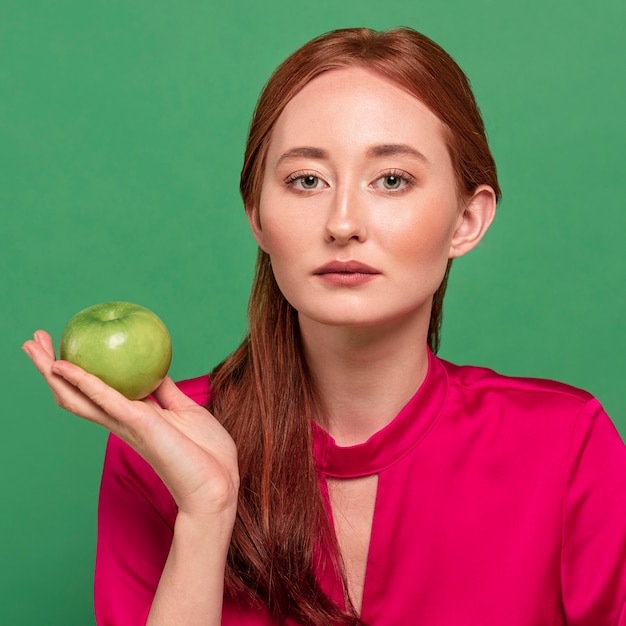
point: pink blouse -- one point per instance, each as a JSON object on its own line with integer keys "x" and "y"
{"x": 501, "y": 501}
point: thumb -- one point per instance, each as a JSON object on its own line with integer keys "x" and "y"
{"x": 170, "y": 397}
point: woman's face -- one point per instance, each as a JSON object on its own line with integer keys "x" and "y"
{"x": 359, "y": 210}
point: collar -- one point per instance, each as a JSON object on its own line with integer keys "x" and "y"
{"x": 391, "y": 443}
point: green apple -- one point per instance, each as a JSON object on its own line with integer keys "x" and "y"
{"x": 124, "y": 344}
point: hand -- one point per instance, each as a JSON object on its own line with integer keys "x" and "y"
{"x": 187, "y": 447}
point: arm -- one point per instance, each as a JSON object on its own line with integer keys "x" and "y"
{"x": 193, "y": 456}
{"x": 594, "y": 523}
{"x": 137, "y": 526}
{"x": 192, "y": 583}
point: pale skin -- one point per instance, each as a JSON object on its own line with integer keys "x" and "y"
{"x": 357, "y": 171}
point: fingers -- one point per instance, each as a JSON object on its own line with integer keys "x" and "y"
{"x": 45, "y": 341}
{"x": 62, "y": 378}
{"x": 40, "y": 351}
{"x": 187, "y": 447}
{"x": 40, "y": 344}
{"x": 87, "y": 396}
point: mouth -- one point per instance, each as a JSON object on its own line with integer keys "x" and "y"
{"x": 345, "y": 267}
{"x": 346, "y": 273}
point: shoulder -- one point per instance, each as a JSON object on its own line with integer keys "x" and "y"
{"x": 544, "y": 425}
{"x": 527, "y": 393}
{"x": 532, "y": 410}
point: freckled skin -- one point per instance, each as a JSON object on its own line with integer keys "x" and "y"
{"x": 124, "y": 344}
{"x": 390, "y": 210}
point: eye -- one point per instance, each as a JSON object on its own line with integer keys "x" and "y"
{"x": 394, "y": 181}
{"x": 309, "y": 182}
{"x": 302, "y": 181}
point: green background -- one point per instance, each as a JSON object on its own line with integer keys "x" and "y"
{"x": 122, "y": 126}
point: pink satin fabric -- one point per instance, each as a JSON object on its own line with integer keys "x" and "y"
{"x": 501, "y": 501}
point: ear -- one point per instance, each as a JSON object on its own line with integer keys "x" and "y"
{"x": 476, "y": 216}
{"x": 254, "y": 219}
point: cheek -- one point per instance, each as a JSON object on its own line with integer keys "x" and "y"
{"x": 285, "y": 257}
{"x": 271, "y": 230}
{"x": 277, "y": 239}
{"x": 423, "y": 236}
{"x": 284, "y": 231}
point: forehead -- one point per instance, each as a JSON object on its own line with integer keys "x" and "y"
{"x": 357, "y": 107}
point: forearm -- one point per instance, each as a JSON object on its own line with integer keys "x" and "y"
{"x": 191, "y": 587}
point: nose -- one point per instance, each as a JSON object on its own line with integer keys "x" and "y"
{"x": 346, "y": 217}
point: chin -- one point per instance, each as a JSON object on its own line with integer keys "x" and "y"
{"x": 364, "y": 318}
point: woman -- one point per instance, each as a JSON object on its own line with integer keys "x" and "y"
{"x": 344, "y": 474}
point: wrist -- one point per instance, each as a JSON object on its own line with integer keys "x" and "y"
{"x": 208, "y": 529}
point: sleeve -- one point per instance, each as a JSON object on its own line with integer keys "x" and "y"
{"x": 593, "y": 566}
{"x": 136, "y": 516}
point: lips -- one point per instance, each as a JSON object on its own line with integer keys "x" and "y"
{"x": 345, "y": 267}
{"x": 346, "y": 273}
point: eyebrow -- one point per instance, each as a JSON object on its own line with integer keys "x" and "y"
{"x": 307, "y": 152}
{"x": 396, "y": 149}
{"x": 385, "y": 149}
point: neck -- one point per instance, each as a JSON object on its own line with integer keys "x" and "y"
{"x": 364, "y": 375}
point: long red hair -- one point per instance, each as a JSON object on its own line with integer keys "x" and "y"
{"x": 263, "y": 393}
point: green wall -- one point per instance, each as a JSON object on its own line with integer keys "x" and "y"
{"x": 122, "y": 125}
